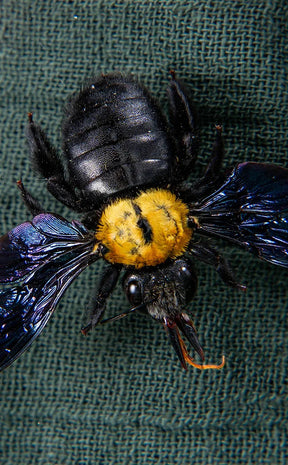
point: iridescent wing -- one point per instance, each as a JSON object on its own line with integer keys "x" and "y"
{"x": 250, "y": 209}
{"x": 33, "y": 243}
{"x": 50, "y": 252}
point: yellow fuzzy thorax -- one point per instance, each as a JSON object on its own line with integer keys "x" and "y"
{"x": 120, "y": 233}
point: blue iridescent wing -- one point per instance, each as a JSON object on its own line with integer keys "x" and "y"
{"x": 33, "y": 243}
{"x": 251, "y": 209}
{"x": 56, "y": 252}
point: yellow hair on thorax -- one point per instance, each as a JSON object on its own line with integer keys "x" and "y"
{"x": 119, "y": 229}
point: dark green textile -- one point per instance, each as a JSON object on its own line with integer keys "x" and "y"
{"x": 120, "y": 396}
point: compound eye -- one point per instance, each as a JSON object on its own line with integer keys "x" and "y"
{"x": 133, "y": 289}
{"x": 188, "y": 278}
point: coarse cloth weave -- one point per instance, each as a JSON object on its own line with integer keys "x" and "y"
{"x": 120, "y": 396}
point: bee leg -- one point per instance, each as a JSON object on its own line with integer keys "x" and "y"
{"x": 46, "y": 162}
{"x": 212, "y": 176}
{"x": 62, "y": 191}
{"x": 31, "y": 203}
{"x": 210, "y": 256}
{"x": 183, "y": 128}
{"x": 217, "y": 155}
{"x": 44, "y": 157}
{"x": 107, "y": 284}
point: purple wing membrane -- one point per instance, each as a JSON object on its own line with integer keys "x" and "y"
{"x": 33, "y": 243}
{"x": 46, "y": 255}
{"x": 25, "y": 309}
{"x": 251, "y": 209}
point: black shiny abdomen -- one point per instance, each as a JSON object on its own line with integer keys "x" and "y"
{"x": 115, "y": 138}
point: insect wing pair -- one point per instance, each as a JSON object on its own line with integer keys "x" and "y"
{"x": 250, "y": 208}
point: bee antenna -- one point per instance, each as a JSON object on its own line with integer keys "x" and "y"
{"x": 122, "y": 315}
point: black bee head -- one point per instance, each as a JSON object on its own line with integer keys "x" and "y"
{"x": 164, "y": 292}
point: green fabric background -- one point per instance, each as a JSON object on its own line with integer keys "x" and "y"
{"x": 120, "y": 396}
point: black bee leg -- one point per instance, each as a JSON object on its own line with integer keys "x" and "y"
{"x": 31, "y": 203}
{"x": 44, "y": 157}
{"x": 46, "y": 162}
{"x": 207, "y": 254}
{"x": 215, "y": 162}
{"x": 107, "y": 284}
{"x": 212, "y": 176}
{"x": 58, "y": 187}
{"x": 182, "y": 122}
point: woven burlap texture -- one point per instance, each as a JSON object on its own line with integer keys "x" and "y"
{"x": 120, "y": 396}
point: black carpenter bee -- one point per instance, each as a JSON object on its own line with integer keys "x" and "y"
{"x": 126, "y": 171}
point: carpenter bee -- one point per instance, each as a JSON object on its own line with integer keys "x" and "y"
{"x": 125, "y": 170}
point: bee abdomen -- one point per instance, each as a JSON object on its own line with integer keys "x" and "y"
{"x": 115, "y": 139}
